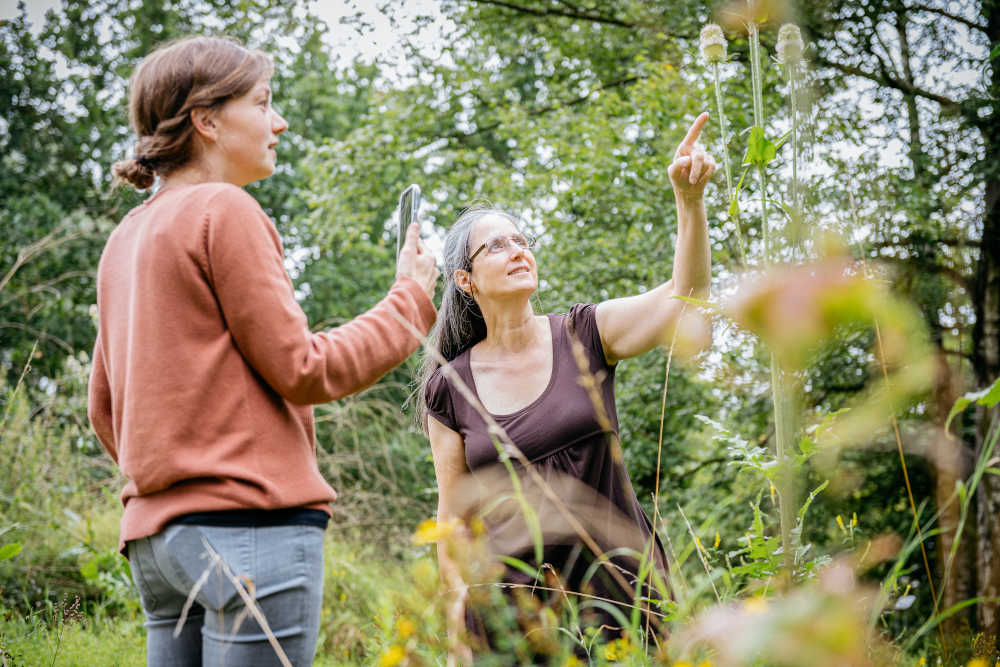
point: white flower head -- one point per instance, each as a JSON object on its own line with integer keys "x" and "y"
{"x": 790, "y": 46}
{"x": 713, "y": 43}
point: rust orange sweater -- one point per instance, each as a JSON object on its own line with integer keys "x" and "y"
{"x": 205, "y": 368}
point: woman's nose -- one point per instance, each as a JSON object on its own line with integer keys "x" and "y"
{"x": 278, "y": 124}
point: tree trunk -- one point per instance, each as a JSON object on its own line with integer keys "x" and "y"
{"x": 986, "y": 347}
{"x": 949, "y": 459}
{"x": 986, "y": 363}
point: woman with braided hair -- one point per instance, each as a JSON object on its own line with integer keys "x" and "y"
{"x": 205, "y": 369}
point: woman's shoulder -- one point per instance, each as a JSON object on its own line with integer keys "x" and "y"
{"x": 226, "y": 195}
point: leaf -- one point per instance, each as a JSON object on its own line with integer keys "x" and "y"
{"x": 987, "y": 397}
{"x": 8, "y": 551}
{"x": 760, "y": 149}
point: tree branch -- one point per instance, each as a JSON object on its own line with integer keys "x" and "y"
{"x": 889, "y": 81}
{"x": 948, "y": 15}
{"x": 546, "y": 109}
{"x": 566, "y": 13}
{"x": 956, "y": 277}
{"x": 909, "y": 242}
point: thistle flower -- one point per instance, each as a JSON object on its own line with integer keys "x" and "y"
{"x": 790, "y": 44}
{"x": 713, "y": 43}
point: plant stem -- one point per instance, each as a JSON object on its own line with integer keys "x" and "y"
{"x": 724, "y": 130}
{"x": 793, "y": 104}
{"x": 779, "y": 395}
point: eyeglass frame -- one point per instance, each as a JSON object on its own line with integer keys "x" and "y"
{"x": 529, "y": 241}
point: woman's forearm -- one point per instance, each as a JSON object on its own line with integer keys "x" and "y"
{"x": 692, "y": 254}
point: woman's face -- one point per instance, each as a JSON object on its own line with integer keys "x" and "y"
{"x": 248, "y": 129}
{"x": 509, "y": 272}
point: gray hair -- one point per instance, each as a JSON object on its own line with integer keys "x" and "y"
{"x": 460, "y": 323}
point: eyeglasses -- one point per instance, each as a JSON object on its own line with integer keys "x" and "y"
{"x": 500, "y": 244}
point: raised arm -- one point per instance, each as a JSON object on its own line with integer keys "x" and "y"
{"x": 632, "y": 325}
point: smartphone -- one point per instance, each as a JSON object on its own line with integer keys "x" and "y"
{"x": 409, "y": 210}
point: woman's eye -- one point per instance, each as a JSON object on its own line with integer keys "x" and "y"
{"x": 496, "y": 245}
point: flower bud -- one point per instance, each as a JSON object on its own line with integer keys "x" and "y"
{"x": 713, "y": 43}
{"x": 790, "y": 44}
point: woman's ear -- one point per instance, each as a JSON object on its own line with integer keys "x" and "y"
{"x": 464, "y": 280}
{"x": 203, "y": 119}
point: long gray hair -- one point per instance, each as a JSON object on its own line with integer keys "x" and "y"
{"x": 460, "y": 323}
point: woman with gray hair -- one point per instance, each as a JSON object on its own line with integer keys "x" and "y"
{"x": 522, "y": 370}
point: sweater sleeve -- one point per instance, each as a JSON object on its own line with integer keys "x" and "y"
{"x": 245, "y": 264}
{"x": 99, "y": 402}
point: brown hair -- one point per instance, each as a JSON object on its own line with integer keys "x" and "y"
{"x": 171, "y": 81}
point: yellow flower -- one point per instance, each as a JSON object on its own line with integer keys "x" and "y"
{"x": 922, "y": 661}
{"x": 432, "y": 531}
{"x": 682, "y": 663}
{"x": 854, "y": 519}
{"x": 755, "y": 606}
{"x": 705, "y": 663}
{"x": 572, "y": 661}
{"x": 392, "y": 657}
{"x": 717, "y": 540}
{"x": 617, "y": 649}
{"x": 840, "y": 522}
{"x": 772, "y": 491}
{"x": 978, "y": 662}
{"x": 406, "y": 628}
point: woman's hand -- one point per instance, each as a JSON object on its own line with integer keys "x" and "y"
{"x": 692, "y": 166}
{"x": 416, "y": 262}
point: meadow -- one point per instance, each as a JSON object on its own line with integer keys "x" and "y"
{"x": 823, "y": 476}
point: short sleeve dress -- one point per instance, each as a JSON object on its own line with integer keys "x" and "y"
{"x": 567, "y": 432}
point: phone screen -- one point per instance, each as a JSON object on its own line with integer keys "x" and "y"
{"x": 409, "y": 209}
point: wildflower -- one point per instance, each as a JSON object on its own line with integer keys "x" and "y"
{"x": 790, "y": 44}
{"x": 773, "y": 501}
{"x": 617, "y": 649}
{"x": 406, "y": 628}
{"x": 705, "y": 663}
{"x": 755, "y": 606}
{"x": 713, "y": 43}
{"x": 978, "y": 662}
{"x": 392, "y": 657}
{"x": 432, "y": 531}
{"x": 854, "y": 519}
{"x": 840, "y": 522}
{"x": 717, "y": 540}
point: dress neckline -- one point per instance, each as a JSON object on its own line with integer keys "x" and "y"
{"x": 552, "y": 376}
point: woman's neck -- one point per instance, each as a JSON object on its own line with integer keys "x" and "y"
{"x": 200, "y": 169}
{"x": 510, "y": 328}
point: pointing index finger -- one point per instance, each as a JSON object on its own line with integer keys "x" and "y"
{"x": 692, "y": 135}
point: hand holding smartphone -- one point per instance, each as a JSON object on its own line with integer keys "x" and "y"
{"x": 409, "y": 211}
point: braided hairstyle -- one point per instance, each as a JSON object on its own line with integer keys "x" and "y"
{"x": 171, "y": 81}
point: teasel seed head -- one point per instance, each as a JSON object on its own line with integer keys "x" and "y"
{"x": 790, "y": 46}
{"x": 713, "y": 43}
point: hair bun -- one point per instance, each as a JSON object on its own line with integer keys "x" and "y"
{"x": 136, "y": 171}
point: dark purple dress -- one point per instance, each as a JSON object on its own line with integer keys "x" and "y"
{"x": 561, "y": 433}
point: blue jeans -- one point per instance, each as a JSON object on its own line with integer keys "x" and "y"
{"x": 281, "y": 567}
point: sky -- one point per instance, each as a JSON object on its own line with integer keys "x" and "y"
{"x": 378, "y": 42}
